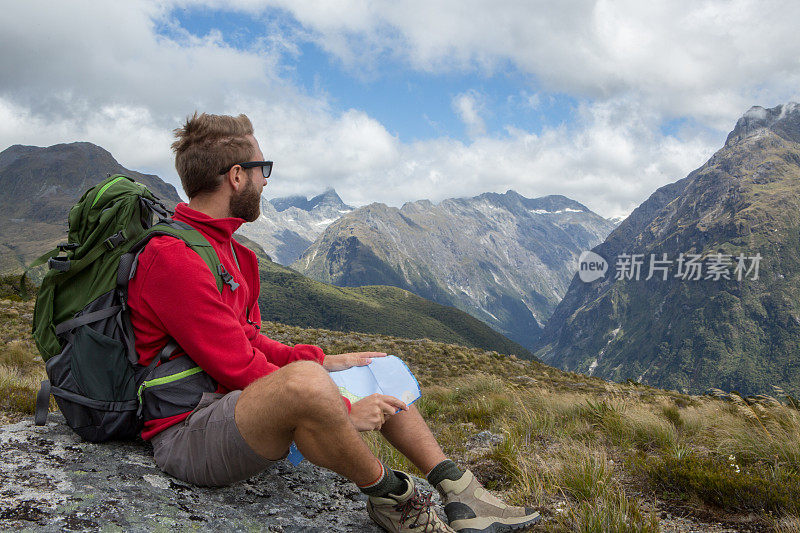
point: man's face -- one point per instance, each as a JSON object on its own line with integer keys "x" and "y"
{"x": 246, "y": 202}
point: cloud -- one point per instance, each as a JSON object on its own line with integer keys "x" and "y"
{"x": 469, "y": 106}
{"x": 102, "y": 73}
{"x": 611, "y": 161}
{"x": 709, "y": 60}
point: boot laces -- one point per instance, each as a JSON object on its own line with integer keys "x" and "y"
{"x": 419, "y": 503}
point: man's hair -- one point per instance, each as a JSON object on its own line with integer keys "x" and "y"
{"x": 207, "y": 144}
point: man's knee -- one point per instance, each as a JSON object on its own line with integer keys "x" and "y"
{"x": 307, "y": 382}
{"x": 299, "y": 390}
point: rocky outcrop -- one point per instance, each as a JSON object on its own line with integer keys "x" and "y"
{"x": 51, "y": 480}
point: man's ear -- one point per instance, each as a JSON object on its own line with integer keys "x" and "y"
{"x": 235, "y": 176}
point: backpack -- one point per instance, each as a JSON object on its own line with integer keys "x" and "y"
{"x": 81, "y": 321}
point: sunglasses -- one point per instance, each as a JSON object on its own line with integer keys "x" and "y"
{"x": 266, "y": 167}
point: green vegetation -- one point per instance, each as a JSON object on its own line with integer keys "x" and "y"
{"x": 21, "y": 368}
{"x": 594, "y": 455}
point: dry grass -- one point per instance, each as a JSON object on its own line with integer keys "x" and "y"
{"x": 21, "y": 368}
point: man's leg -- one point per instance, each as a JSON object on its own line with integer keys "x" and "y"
{"x": 410, "y": 435}
{"x": 300, "y": 403}
{"x": 469, "y": 507}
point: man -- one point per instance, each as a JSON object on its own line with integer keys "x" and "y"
{"x": 269, "y": 394}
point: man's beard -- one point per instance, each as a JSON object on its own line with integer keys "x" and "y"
{"x": 246, "y": 203}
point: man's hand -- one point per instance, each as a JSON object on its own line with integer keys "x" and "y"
{"x": 342, "y": 361}
{"x": 370, "y": 413}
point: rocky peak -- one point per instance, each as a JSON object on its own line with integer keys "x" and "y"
{"x": 56, "y": 156}
{"x": 512, "y": 200}
{"x": 783, "y": 120}
{"x": 12, "y": 153}
{"x": 328, "y": 199}
{"x": 284, "y": 203}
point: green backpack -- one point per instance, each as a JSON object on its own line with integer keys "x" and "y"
{"x": 81, "y": 321}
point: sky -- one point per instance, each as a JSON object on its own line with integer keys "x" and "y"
{"x": 393, "y": 101}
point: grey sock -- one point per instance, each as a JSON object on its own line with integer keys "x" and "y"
{"x": 447, "y": 469}
{"x": 389, "y": 483}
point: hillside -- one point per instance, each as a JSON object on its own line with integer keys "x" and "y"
{"x": 588, "y": 454}
{"x": 502, "y": 258}
{"x": 291, "y": 298}
{"x": 692, "y": 334}
{"x": 38, "y": 186}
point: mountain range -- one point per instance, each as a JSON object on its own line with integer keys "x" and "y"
{"x": 741, "y": 333}
{"x": 38, "y": 186}
{"x": 699, "y": 287}
{"x": 288, "y": 226}
{"x": 503, "y": 258}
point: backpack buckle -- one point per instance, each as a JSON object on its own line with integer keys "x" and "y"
{"x": 227, "y": 278}
{"x": 65, "y": 247}
{"x": 115, "y": 240}
{"x": 58, "y": 263}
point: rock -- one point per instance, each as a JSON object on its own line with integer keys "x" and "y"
{"x": 486, "y": 439}
{"x": 51, "y": 480}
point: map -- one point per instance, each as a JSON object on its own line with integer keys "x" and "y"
{"x": 384, "y": 375}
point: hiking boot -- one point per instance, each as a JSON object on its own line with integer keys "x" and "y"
{"x": 472, "y": 509}
{"x": 410, "y": 512}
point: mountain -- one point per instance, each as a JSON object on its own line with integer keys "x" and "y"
{"x": 503, "y": 258}
{"x": 288, "y": 226}
{"x": 291, "y": 298}
{"x": 38, "y": 186}
{"x": 734, "y": 334}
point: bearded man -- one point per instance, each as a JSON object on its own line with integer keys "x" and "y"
{"x": 264, "y": 395}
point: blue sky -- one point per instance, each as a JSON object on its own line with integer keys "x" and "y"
{"x": 412, "y": 105}
{"x": 602, "y": 101}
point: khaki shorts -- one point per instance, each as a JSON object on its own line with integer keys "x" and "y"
{"x": 207, "y": 449}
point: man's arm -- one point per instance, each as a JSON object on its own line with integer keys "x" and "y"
{"x": 191, "y": 310}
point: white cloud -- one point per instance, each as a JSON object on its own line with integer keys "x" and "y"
{"x": 97, "y": 72}
{"x": 611, "y": 162}
{"x": 706, "y": 59}
{"x": 469, "y": 106}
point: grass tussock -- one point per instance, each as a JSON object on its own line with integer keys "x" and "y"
{"x": 721, "y": 482}
{"x": 787, "y": 524}
{"x": 610, "y": 512}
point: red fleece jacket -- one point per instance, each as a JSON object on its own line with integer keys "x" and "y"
{"x": 175, "y": 295}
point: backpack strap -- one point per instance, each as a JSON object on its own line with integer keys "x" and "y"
{"x": 193, "y": 239}
{"x": 129, "y": 262}
{"x": 42, "y": 403}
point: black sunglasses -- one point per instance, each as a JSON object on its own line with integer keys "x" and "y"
{"x": 266, "y": 167}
